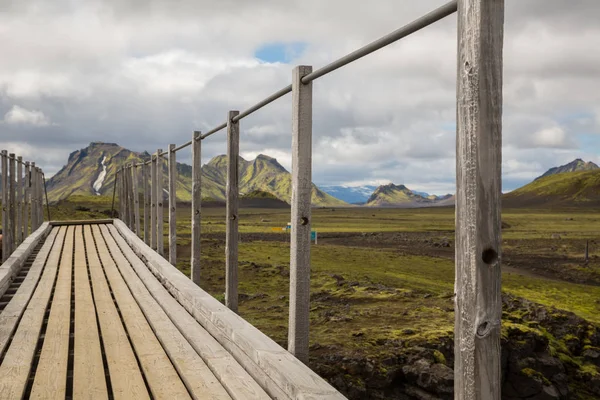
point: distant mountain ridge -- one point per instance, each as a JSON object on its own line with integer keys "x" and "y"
{"x": 350, "y": 194}
{"x": 574, "y": 166}
{"x": 391, "y": 195}
{"x": 91, "y": 171}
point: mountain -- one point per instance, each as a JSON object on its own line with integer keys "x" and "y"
{"x": 350, "y": 194}
{"x": 573, "y": 166}
{"x": 391, "y": 195}
{"x": 91, "y": 171}
{"x": 564, "y": 189}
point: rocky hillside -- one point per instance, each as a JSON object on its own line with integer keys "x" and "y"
{"x": 573, "y": 166}
{"x": 391, "y": 195}
{"x": 91, "y": 171}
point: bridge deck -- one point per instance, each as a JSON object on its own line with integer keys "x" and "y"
{"x": 91, "y": 320}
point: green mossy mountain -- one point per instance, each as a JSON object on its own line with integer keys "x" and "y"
{"x": 85, "y": 167}
{"x": 574, "y": 166}
{"x": 391, "y": 195}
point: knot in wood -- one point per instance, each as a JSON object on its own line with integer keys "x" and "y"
{"x": 233, "y": 217}
{"x": 484, "y": 329}
{"x": 489, "y": 256}
{"x": 304, "y": 221}
{"x": 196, "y": 212}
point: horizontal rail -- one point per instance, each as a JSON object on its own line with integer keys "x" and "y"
{"x": 268, "y": 100}
{"x": 418, "y": 24}
{"x": 215, "y": 130}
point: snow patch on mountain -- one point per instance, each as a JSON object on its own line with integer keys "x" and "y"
{"x": 98, "y": 184}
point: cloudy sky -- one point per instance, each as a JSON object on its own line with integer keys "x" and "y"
{"x": 145, "y": 73}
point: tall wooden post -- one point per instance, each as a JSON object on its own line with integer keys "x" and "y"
{"x": 136, "y": 199}
{"x": 40, "y": 191}
{"x": 298, "y": 330}
{"x": 478, "y": 207}
{"x": 153, "y": 204}
{"x": 12, "y": 210}
{"x": 27, "y": 200}
{"x": 34, "y": 198}
{"x": 147, "y": 202}
{"x": 160, "y": 242}
{"x": 120, "y": 187}
{"x": 130, "y": 195}
{"x": 19, "y": 238}
{"x": 231, "y": 237}
{"x": 5, "y": 227}
{"x": 196, "y": 206}
{"x": 172, "y": 205}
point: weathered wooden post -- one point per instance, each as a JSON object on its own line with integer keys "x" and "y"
{"x": 34, "y": 198}
{"x": 20, "y": 237}
{"x": 136, "y": 199}
{"x": 131, "y": 197}
{"x": 128, "y": 213}
{"x": 27, "y": 199}
{"x": 196, "y": 206}
{"x": 478, "y": 207}
{"x": 119, "y": 175}
{"x": 146, "y": 189}
{"x": 160, "y": 243}
{"x": 153, "y": 203}
{"x": 40, "y": 190}
{"x": 11, "y": 235}
{"x": 172, "y": 205}
{"x": 5, "y": 228}
{"x": 231, "y": 237}
{"x": 298, "y": 330}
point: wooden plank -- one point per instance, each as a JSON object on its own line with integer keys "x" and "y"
{"x": 14, "y": 371}
{"x": 136, "y": 200}
{"x": 172, "y": 205}
{"x": 27, "y": 201}
{"x": 88, "y": 369}
{"x": 279, "y": 373}
{"x": 196, "y": 206}
{"x": 198, "y": 378}
{"x": 145, "y": 177}
{"x": 153, "y": 201}
{"x": 5, "y": 243}
{"x": 16, "y": 306}
{"x": 162, "y": 377}
{"x": 125, "y": 376}
{"x": 160, "y": 196}
{"x": 19, "y": 223}
{"x": 478, "y": 180}
{"x": 238, "y": 383}
{"x": 51, "y": 374}
{"x": 231, "y": 215}
{"x": 18, "y": 257}
{"x": 82, "y": 222}
{"x": 301, "y": 214}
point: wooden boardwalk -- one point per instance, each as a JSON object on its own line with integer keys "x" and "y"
{"x": 98, "y": 315}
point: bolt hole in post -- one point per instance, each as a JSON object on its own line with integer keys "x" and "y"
{"x": 489, "y": 256}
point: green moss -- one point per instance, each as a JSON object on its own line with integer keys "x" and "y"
{"x": 439, "y": 357}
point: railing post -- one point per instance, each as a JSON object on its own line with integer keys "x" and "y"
{"x": 172, "y": 205}
{"x": 136, "y": 199}
{"x": 478, "y": 308}
{"x": 27, "y": 200}
{"x": 159, "y": 204}
{"x": 298, "y": 330}
{"x": 145, "y": 177}
{"x": 130, "y": 197}
{"x": 153, "y": 203}
{"x": 34, "y": 199}
{"x": 196, "y": 206}
{"x": 120, "y": 187}
{"x": 231, "y": 238}
{"x": 12, "y": 210}
{"x": 40, "y": 198}
{"x": 5, "y": 245}
{"x": 19, "y": 238}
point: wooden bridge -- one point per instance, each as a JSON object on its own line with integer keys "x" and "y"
{"x": 92, "y": 310}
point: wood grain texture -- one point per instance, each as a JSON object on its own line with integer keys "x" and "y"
{"x": 147, "y": 202}
{"x": 19, "y": 198}
{"x": 51, "y": 374}
{"x": 27, "y": 201}
{"x": 81, "y": 222}
{"x": 125, "y": 376}
{"x": 14, "y": 371}
{"x": 279, "y": 373}
{"x": 198, "y": 378}
{"x": 160, "y": 196}
{"x": 172, "y": 205}
{"x": 16, "y": 306}
{"x": 478, "y": 180}
{"x": 231, "y": 215}
{"x": 196, "y": 206}
{"x": 162, "y": 377}
{"x": 298, "y": 330}
{"x": 5, "y": 244}
{"x": 238, "y": 383}
{"x": 88, "y": 369}
{"x": 153, "y": 204}
{"x": 136, "y": 200}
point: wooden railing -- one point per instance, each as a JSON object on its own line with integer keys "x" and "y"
{"x": 478, "y": 166}
{"x": 23, "y": 189}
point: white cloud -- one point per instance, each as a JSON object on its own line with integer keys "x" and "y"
{"x": 21, "y": 116}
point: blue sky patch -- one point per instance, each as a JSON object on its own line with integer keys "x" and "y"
{"x": 280, "y": 52}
